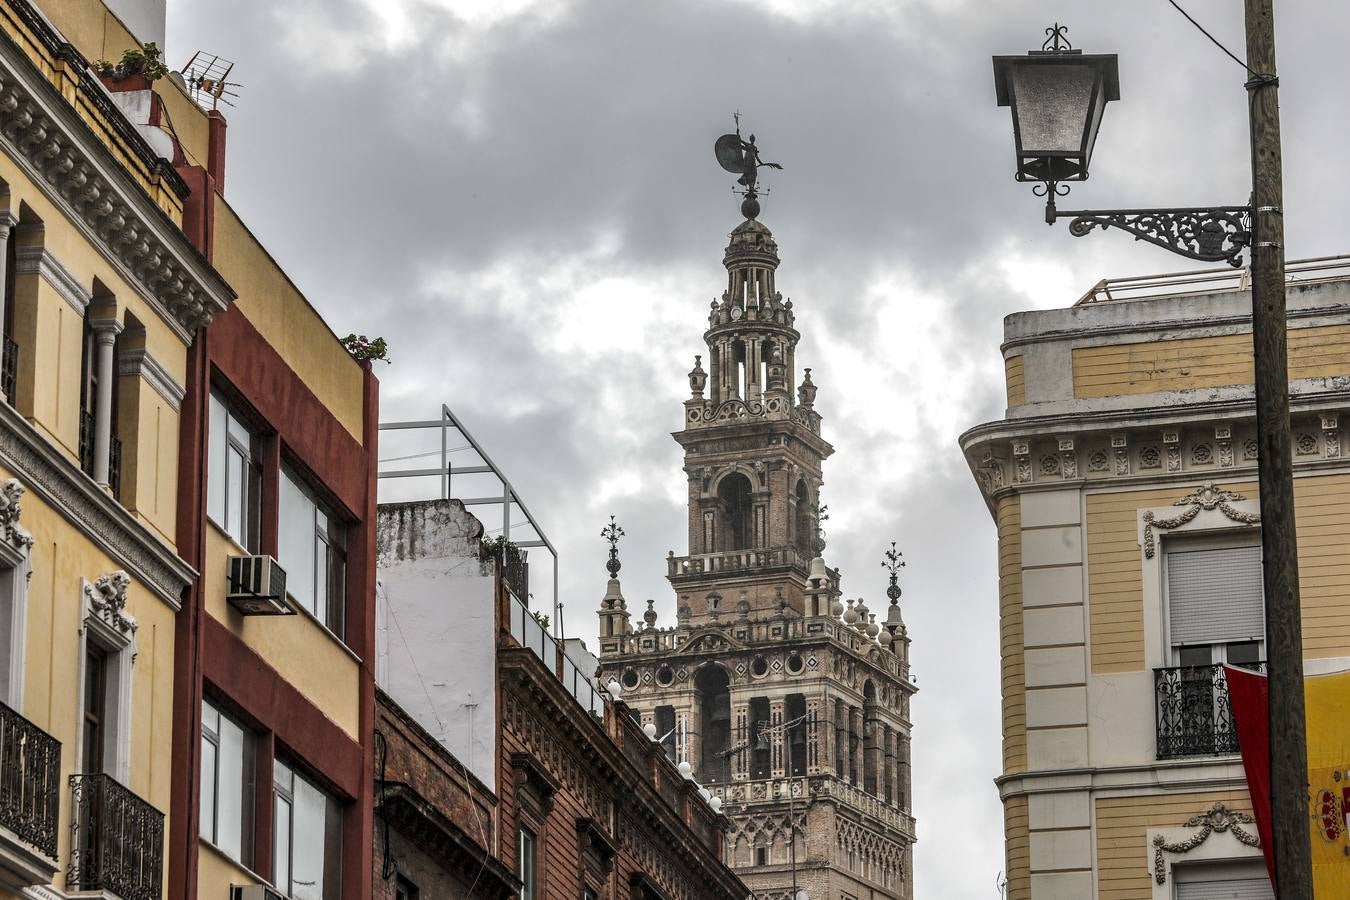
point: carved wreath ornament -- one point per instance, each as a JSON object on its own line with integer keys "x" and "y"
{"x": 1219, "y": 819}
{"x": 1208, "y": 497}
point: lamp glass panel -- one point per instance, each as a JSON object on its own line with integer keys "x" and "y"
{"x": 1053, "y": 105}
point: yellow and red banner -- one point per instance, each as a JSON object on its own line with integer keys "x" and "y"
{"x": 1327, "y": 698}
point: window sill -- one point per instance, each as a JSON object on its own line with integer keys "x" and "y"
{"x": 221, "y": 532}
{"x": 232, "y": 861}
{"x": 324, "y": 628}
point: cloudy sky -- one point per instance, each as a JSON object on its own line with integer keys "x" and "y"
{"x": 520, "y": 195}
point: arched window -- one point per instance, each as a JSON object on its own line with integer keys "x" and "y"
{"x": 735, "y": 510}
{"x": 714, "y": 708}
{"x": 805, "y": 533}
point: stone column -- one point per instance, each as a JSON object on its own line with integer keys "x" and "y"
{"x": 840, "y": 743}
{"x": 777, "y": 756}
{"x": 105, "y": 334}
{"x": 7, "y": 223}
{"x": 815, "y": 737}
{"x": 886, "y": 778}
{"x": 740, "y": 761}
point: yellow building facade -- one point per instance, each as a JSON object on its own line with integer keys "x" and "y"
{"x": 1122, "y": 480}
{"x": 157, "y": 737}
{"x": 102, "y": 295}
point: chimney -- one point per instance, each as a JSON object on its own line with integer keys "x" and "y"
{"x": 215, "y": 148}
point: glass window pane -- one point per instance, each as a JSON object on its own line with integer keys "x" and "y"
{"x": 230, "y": 820}
{"x": 337, "y": 590}
{"x": 215, "y": 461}
{"x": 295, "y": 541}
{"x": 240, "y": 432}
{"x": 210, "y": 717}
{"x": 234, "y": 495}
{"x": 281, "y": 843}
{"x": 208, "y": 798}
{"x": 282, "y": 776}
{"x": 307, "y": 845}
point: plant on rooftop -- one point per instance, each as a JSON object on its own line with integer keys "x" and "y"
{"x": 364, "y": 348}
{"x": 542, "y": 619}
{"x": 143, "y": 60}
{"x": 500, "y": 549}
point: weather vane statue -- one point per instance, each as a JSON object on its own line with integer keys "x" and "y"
{"x": 612, "y": 532}
{"x": 741, "y": 157}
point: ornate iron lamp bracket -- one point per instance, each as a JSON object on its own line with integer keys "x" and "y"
{"x": 1209, "y": 234}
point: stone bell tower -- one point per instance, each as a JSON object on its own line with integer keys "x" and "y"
{"x": 752, "y": 450}
{"x": 786, "y": 707}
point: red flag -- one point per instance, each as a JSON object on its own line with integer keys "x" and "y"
{"x": 1248, "y": 692}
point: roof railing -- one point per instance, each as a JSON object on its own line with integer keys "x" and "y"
{"x": 1211, "y": 281}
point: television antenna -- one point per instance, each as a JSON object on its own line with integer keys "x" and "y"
{"x": 207, "y": 78}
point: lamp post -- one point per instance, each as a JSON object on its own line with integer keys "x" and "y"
{"x": 1057, "y": 97}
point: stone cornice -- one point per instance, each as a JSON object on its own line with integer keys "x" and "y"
{"x": 140, "y": 362}
{"x": 60, "y": 484}
{"x": 37, "y": 260}
{"x": 62, "y": 156}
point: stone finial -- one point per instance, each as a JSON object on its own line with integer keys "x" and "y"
{"x": 806, "y": 393}
{"x": 698, "y": 379}
{"x": 650, "y": 615}
{"x": 612, "y": 532}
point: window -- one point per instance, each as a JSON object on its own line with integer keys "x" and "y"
{"x": 227, "y": 785}
{"x": 404, "y": 889}
{"x": 234, "y": 478}
{"x": 312, "y": 549}
{"x": 1215, "y": 608}
{"x": 526, "y": 865}
{"x": 589, "y": 894}
{"x": 95, "y": 708}
{"x": 307, "y": 836}
{"x": 761, "y": 856}
{"x": 1223, "y": 881}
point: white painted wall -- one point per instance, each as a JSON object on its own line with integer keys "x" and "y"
{"x": 435, "y": 650}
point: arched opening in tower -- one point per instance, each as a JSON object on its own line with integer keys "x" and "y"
{"x": 870, "y": 737}
{"x": 736, "y": 510}
{"x": 714, "y": 707}
{"x": 805, "y": 533}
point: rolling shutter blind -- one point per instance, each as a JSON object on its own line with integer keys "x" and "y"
{"x": 1214, "y": 596}
{"x": 1245, "y": 889}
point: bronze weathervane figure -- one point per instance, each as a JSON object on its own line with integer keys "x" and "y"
{"x": 741, "y": 157}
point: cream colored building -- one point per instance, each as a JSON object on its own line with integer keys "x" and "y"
{"x": 1123, "y": 483}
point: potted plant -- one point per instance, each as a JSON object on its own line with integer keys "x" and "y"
{"x": 138, "y": 69}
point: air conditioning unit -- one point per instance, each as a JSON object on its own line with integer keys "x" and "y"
{"x": 257, "y": 586}
{"x": 254, "y": 891}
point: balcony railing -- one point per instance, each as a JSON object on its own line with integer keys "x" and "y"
{"x": 736, "y": 560}
{"x": 118, "y": 843}
{"x": 87, "y": 453}
{"x": 1195, "y": 715}
{"x": 533, "y": 636}
{"x": 30, "y": 779}
{"x": 517, "y": 573}
{"x": 9, "y": 369}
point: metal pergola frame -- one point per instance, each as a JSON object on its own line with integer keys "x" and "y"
{"x": 447, "y": 422}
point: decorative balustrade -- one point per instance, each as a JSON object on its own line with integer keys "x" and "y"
{"x": 9, "y": 369}
{"x": 30, "y": 779}
{"x": 1194, "y": 713}
{"x": 118, "y": 840}
{"x": 737, "y": 560}
{"x": 738, "y": 794}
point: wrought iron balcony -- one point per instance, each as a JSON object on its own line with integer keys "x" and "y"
{"x": 9, "y": 369}
{"x": 118, "y": 840}
{"x": 1195, "y": 716}
{"x": 30, "y": 777}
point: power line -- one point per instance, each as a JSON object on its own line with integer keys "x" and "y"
{"x": 1217, "y": 42}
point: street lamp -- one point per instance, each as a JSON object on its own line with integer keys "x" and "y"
{"x": 1057, "y": 98}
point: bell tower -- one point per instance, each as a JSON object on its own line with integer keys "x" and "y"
{"x": 785, "y": 707}
{"x": 752, "y": 448}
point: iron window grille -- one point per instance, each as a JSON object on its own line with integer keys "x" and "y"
{"x": 1194, "y": 712}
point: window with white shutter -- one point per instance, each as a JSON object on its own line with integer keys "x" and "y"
{"x": 1214, "y": 595}
{"x": 1223, "y": 881}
